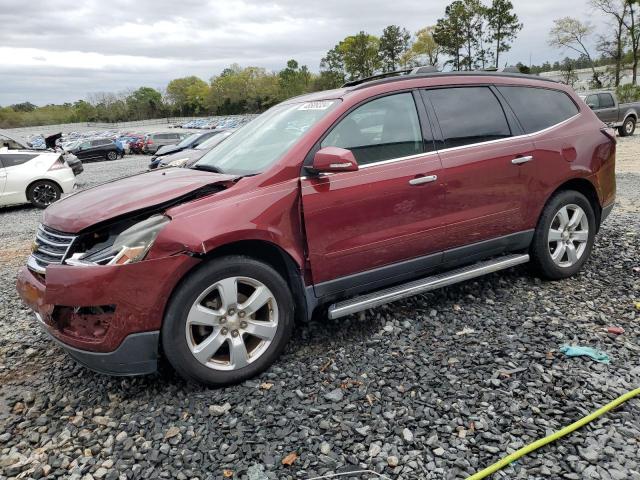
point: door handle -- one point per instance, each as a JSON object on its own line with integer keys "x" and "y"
{"x": 521, "y": 160}
{"x": 423, "y": 180}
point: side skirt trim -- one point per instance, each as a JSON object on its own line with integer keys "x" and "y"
{"x": 427, "y": 284}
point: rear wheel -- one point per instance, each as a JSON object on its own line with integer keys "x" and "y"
{"x": 43, "y": 193}
{"x": 112, "y": 155}
{"x": 564, "y": 236}
{"x": 228, "y": 321}
{"x": 628, "y": 127}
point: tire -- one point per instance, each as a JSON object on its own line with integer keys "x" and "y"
{"x": 551, "y": 253}
{"x": 112, "y": 155}
{"x": 190, "y": 327}
{"x": 43, "y": 193}
{"x": 628, "y": 127}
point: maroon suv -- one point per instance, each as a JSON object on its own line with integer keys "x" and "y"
{"x": 343, "y": 199}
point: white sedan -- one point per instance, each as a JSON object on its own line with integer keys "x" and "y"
{"x": 37, "y": 177}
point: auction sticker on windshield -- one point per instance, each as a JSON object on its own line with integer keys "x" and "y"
{"x": 319, "y": 105}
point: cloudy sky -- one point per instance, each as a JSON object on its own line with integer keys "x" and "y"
{"x": 52, "y": 51}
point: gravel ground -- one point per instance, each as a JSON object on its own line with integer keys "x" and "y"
{"x": 434, "y": 387}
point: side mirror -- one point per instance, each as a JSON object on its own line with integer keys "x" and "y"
{"x": 333, "y": 159}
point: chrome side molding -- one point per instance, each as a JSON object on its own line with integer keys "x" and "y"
{"x": 375, "y": 299}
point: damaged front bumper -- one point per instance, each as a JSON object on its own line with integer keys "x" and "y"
{"x": 107, "y": 317}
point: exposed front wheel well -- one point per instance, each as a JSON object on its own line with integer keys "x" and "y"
{"x": 277, "y": 258}
{"x": 586, "y": 188}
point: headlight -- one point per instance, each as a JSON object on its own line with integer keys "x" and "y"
{"x": 134, "y": 243}
{"x": 178, "y": 162}
{"x": 130, "y": 246}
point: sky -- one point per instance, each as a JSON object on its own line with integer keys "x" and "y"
{"x": 55, "y": 51}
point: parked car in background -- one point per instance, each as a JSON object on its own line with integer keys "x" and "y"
{"x": 189, "y": 142}
{"x": 622, "y": 116}
{"x": 188, "y": 157}
{"x": 386, "y": 188}
{"x": 154, "y": 141}
{"x": 96, "y": 149}
{"x": 136, "y": 144}
{"x": 12, "y": 143}
{"x": 31, "y": 176}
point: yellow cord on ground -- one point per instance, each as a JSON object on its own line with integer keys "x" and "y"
{"x": 554, "y": 436}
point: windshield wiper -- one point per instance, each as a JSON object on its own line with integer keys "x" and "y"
{"x": 207, "y": 168}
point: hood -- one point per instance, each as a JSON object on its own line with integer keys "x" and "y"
{"x": 50, "y": 141}
{"x": 191, "y": 153}
{"x": 124, "y": 196}
{"x": 165, "y": 150}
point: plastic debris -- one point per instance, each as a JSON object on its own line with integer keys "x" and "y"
{"x": 615, "y": 330}
{"x": 578, "y": 351}
{"x": 637, "y": 305}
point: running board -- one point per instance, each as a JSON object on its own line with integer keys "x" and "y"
{"x": 375, "y": 299}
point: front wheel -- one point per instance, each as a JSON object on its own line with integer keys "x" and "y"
{"x": 112, "y": 155}
{"x": 228, "y": 321}
{"x": 628, "y": 127}
{"x": 43, "y": 193}
{"x": 564, "y": 236}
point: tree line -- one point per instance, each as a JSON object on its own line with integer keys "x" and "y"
{"x": 617, "y": 47}
{"x": 471, "y": 34}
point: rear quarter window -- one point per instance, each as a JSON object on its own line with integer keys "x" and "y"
{"x": 539, "y": 108}
{"x": 14, "y": 159}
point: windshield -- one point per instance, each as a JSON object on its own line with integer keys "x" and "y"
{"x": 213, "y": 141}
{"x": 263, "y": 141}
{"x": 186, "y": 141}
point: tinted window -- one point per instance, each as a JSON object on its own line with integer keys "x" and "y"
{"x": 539, "y": 108}
{"x": 469, "y": 115}
{"x": 379, "y": 130}
{"x": 592, "y": 101}
{"x": 14, "y": 159}
{"x": 606, "y": 100}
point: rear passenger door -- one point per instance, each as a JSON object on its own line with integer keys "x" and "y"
{"x": 551, "y": 119}
{"x": 482, "y": 150}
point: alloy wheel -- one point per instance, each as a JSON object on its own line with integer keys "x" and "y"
{"x": 629, "y": 127}
{"x": 568, "y": 235}
{"x": 232, "y": 323}
{"x": 45, "y": 194}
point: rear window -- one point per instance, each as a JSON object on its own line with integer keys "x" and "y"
{"x": 468, "y": 115}
{"x": 606, "y": 100}
{"x": 539, "y": 108}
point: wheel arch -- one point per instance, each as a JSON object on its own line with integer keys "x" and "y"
{"x": 586, "y": 188}
{"x": 274, "y": 256}
{"x": 33, "y": 182}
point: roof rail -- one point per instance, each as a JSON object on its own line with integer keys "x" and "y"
{"x": 358, "y": 81}
{"x": 408, "y": 71}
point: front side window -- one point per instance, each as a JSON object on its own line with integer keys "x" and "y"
{"x": 262, "y": 142}
{"x": 468, "y": 115}
{"x": 382, "y": 129}
{"x": 606, "y": 100}
{"x": 538, "y": 108}
{"x": 592, "y": 101}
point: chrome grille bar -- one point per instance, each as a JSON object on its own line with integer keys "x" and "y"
{"x": 50, "y": 247}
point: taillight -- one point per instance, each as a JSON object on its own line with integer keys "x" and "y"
{"x": 58, "y": 164}
{"x": 610, "y": 133}
{"x": 149, "y": 142}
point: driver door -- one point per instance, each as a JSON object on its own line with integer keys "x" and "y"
{"x": 386, "y": 219}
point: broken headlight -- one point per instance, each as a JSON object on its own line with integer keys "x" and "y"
{"x": 130, "y": 245}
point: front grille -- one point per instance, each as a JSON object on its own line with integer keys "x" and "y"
{"x": 49, "y": 247}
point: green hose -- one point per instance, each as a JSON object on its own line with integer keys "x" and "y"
{"x": 554, "y": 436}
